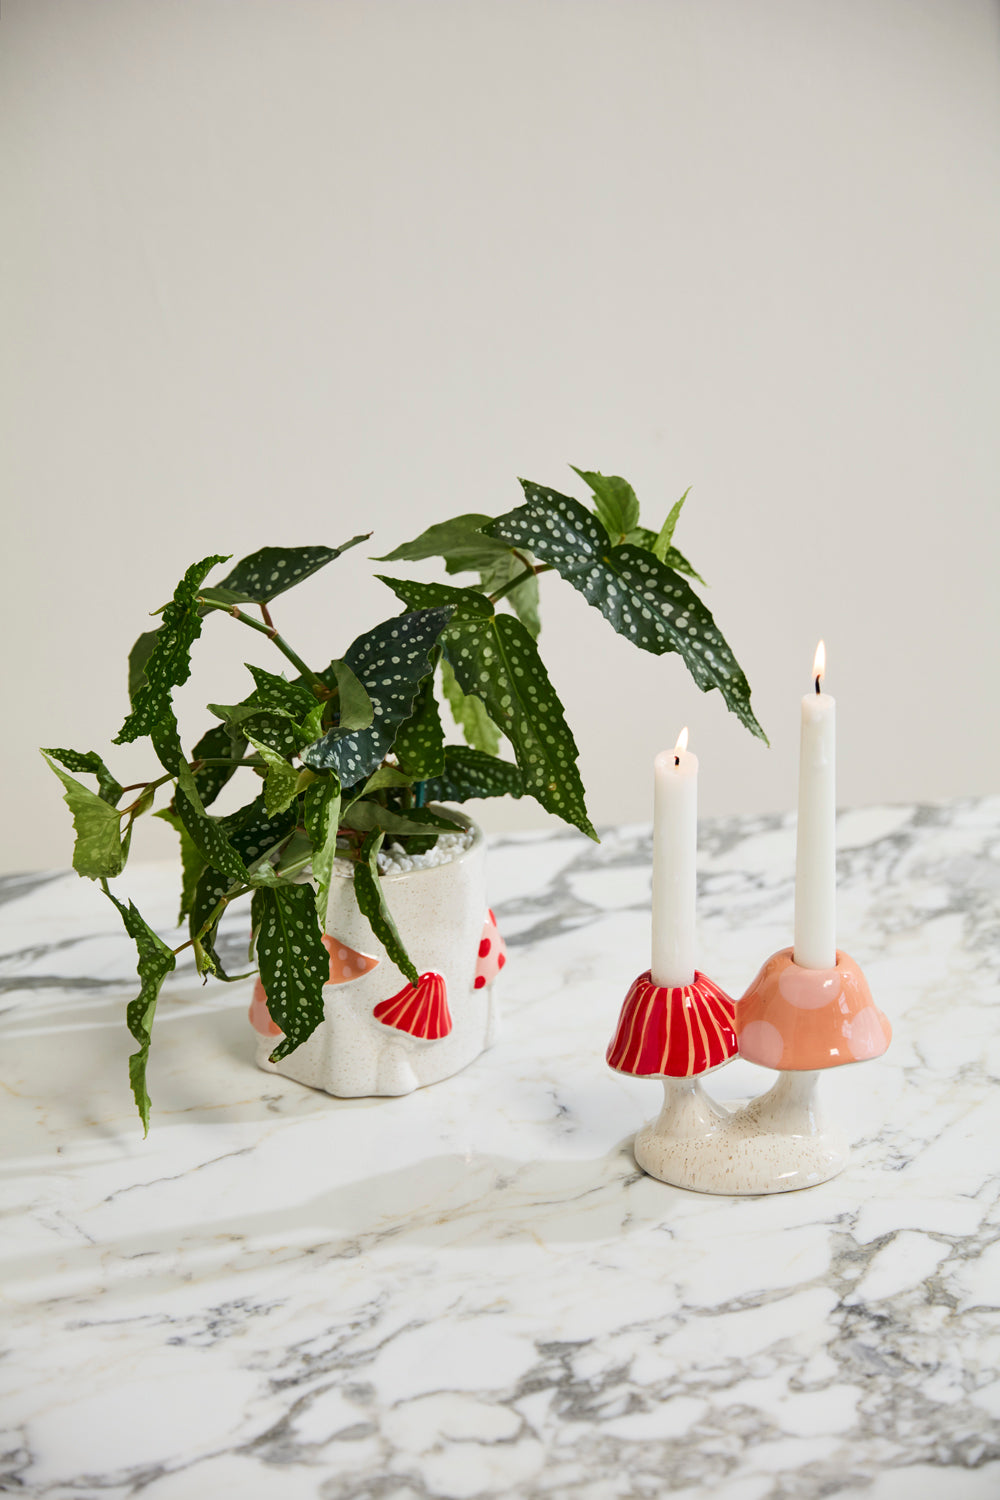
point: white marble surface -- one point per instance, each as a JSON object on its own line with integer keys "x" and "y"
{"x": 471, "y": 1291}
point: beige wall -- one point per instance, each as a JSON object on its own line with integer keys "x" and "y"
{"x": 274, "y": 271}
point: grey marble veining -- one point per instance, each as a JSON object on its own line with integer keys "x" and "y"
{"x": 471, "y": 1291}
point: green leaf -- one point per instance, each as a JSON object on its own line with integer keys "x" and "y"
{"x": 365, "y": 815}
{"x": 460, "y": 542}
{"x": 354, "y": 705}
{"x": 524, "y": 598}
{"x": 273, "y": 691}
{"x": 661, "y": 546}
{"x": 294, "y": 965}
{"x": 419, "y": 743}
{"x": 109, "y": 790}
{"x": 614, "y": 501}
{"x": 155, "y": 963}
{"x": 169, "y": 662}
{"x": 322, "y": 819}
{"x": 254, "y": 836}
{"x": 468, "y": 773}
{"x": 495, "y": 659}
{"x": 282, "y": 781}
{"x": 390, "y": 662}
{"x": 137, "y": 659}
{"x": 644, "y": 600}
{"x": 275, "y": 726}
{"x": 192, "y": 860}
{"x": 98, "y": 851}
{"x": 206, "y": 831}
{"x": 216, "y": 744}
{"x": 469, "y": 713}
{"x": 384, "y": 777}
{"x": 680, "y": 564}
{"x": 371, "y": 903}
{"x": 263, "y": 575}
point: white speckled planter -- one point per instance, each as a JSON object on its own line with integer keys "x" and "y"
{"x": 439, "y": 913}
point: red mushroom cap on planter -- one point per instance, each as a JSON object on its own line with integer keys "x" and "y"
{"x": 492, "y": 954}
{"x": 421, "y": 1010}
{"x": 678, "y": 1031}
{"x": 799, "y": 1020}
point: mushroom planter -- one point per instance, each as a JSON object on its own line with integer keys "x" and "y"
{"x": 381, "y": 1035}
{"x": 678, "y": 1034}
{"x": 798, "y": 1021}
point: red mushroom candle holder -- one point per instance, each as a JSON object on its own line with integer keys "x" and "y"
{"x": 678, "y": 1034}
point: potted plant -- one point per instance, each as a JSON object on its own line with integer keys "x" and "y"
{"x": 350, "y": 773}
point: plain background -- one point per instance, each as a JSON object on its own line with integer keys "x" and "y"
{"x": 277, "y": 271}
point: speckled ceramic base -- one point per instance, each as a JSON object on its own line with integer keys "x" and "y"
{"x": 775, "y": 1144}
{"x": 439, "y": 913}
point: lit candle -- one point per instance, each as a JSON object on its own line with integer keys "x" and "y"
{"x": 816, "y": 847}
{"x": 675, "y": 849}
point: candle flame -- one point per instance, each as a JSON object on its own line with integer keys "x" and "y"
{"x": 682, "y": 739}
{"x": 819, "y": 663}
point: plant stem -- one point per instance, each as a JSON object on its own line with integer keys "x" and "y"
{"x": 528, "y": 572}
{"x": 272, "y": 635}
{"x": 234, "y": 891}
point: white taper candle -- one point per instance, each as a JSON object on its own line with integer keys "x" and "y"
{"x": 675, "y": 852}
{"x": 816, "y": 841}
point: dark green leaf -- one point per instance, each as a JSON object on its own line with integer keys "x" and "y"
{"x": 294, "y": 965}
{"x": 216, "y": 744}
{"x": 354, "y": 705}
{"x": 98, "y": 851}
{"x": 614, "y": 501}
{"x": 274, "y": 726}
{"x": 469, "y": 713}
{"x": 371, "y": 903}
{"x": 496, "y": 660}
{"x": 419, "y": 743}
{"x": 155, "y": 963}
{"x": 108, "y": 788}
{"x": 468, "y": 773}
{"x": 322, "y": 818}
{"x": 644, "y": 600}
{"x": 459, "y": 541}
{"x": 192, "y": 861}
{"x": 264, "y": 575}
{"x": 282, "y": 781}
{"x": 365, "y": 815}
{"x": 137, "y": 659}
{"x": 390, "y": 662}
{"x": 463, "y": 604}
{"x": 169, "y": 662}
{"x": 277, "y": 692}
{"x": 206, "y": 831}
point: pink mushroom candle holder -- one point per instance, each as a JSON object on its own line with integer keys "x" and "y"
{"x": 677, "y": 1034}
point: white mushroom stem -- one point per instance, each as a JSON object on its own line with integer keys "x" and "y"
{"x": 790, "y": 1107}
{"x": 688, "y": 1113}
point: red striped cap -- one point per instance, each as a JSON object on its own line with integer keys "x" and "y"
{"x": 674, "y": 1032}
{"x": 421, "y": 1010}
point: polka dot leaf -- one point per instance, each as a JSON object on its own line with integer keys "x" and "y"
{"x": 208, "y": 832}
{"x": 470, "y": 773}
{"x": 390, "y": 662}
{"x": 155, "y": 962}
{"x": 321, "y": 807}
{"x": 469, "y": 713}
{"x": 263, "y": 575}
{"x": 645, "y": 601}
{"x": 294, "y": 965}
{"x": 168, "y": 663}
{"x": 108, "y": 789}
{"x": 419, "y": 743}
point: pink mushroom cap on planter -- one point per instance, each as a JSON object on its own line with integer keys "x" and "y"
{"x": 800, "y": 1020}
{"x": 492, "y": 953}
{"x": 681, "y": 1031}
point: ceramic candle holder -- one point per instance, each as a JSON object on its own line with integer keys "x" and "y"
{"x": 677, "y": 1034}
{"x": 797, "y": 1021}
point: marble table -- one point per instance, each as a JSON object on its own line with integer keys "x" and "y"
{"x": 472, "y": 1291}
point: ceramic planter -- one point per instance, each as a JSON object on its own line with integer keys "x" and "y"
{"x": 381, "y": 1036}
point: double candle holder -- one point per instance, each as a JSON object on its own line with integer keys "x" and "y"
{"x": 808, "y": 1009}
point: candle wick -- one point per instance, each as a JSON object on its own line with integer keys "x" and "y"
{"x": 817, "y": 684}
{"x": 677, "y": 760}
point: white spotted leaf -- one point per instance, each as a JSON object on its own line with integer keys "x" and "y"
{"x": 263, "y": 575}
{"x": 371, "y": 903}
{"x": 108, "y": 789}
{"x": 321, "y": 809}
{"x": 469, "y": 773}
{"x": 294, "y": 965}
{"x": 469, "y": 714}
{"x": 155, "y": 963}
{"x": 419, "y": 742}
{"x": 643, "y": 599}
